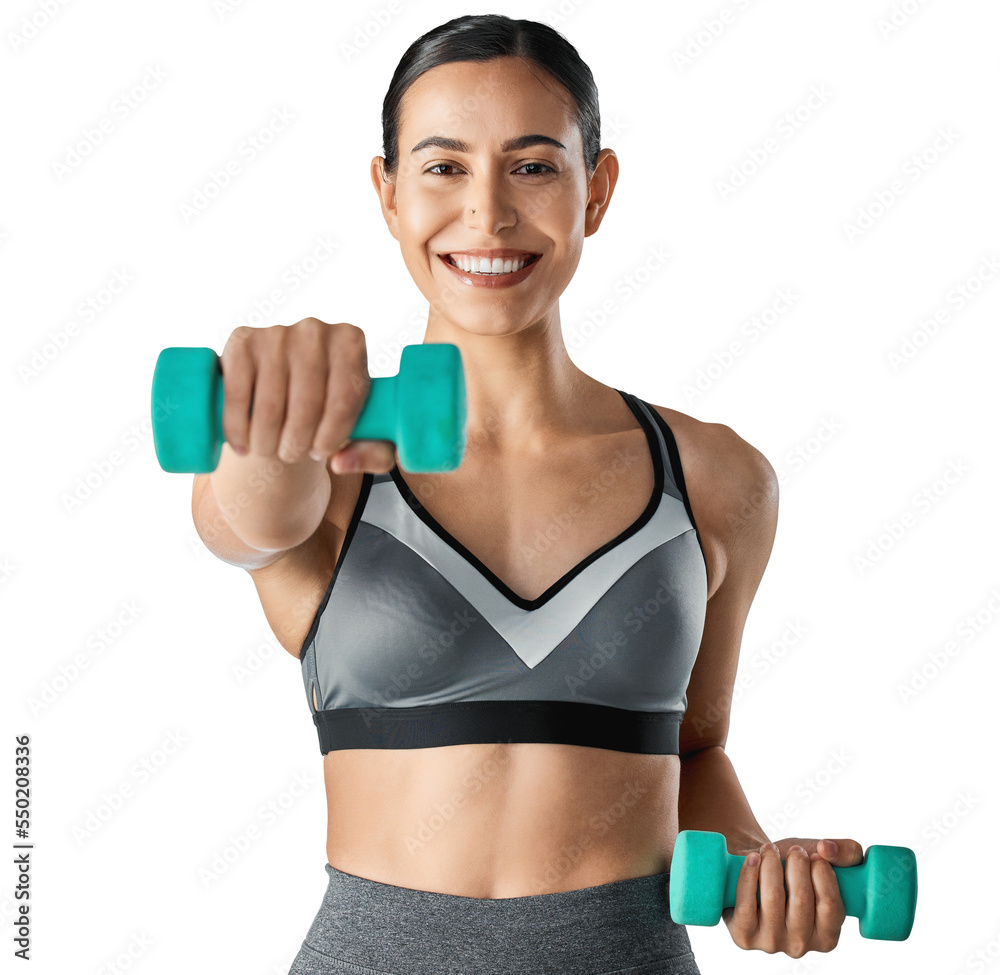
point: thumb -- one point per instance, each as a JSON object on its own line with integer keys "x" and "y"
{"x": 841, "y": 852}
{"x": 376, "y": 456}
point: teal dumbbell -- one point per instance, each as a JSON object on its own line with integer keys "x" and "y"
{"x": 881, "y": 891}
{"x": 422, "y": 409}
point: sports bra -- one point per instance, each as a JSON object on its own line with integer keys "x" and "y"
{"x": 417, "y": 644}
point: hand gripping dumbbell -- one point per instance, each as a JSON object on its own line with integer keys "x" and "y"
{"x": 422, "y": 409}
{"x": 881, "y": 891}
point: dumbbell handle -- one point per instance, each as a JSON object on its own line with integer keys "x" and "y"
{"x": 852, "y": 882}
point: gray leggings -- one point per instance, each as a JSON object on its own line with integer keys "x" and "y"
{"x": 363, "y": 926}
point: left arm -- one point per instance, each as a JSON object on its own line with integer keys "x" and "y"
{"x": 740, "y": 510}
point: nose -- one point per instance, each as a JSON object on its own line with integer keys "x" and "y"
{"x": 489, "y": 206}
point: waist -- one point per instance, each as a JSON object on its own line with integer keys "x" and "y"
{"x": 500, "y": 820}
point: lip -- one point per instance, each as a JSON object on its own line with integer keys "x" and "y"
{"x": 490, "y": 281}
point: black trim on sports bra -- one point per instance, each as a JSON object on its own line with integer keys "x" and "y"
{"x": 489, "y": 722}
{"x": 650, "y": 509}
{"x": 675, "y": 462}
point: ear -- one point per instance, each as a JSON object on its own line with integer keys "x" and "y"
{"x": 386, "y": 193}
{"x": 602, "y": 185}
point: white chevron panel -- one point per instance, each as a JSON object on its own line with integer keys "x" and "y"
{"x": 532, "y": 634}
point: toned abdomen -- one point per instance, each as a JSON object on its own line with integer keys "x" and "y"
{"x": 500, "y": 820}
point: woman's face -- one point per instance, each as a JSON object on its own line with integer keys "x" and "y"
{"x": 531, "y": 198}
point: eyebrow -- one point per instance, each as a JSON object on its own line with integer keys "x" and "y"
{"x": 456, "y": 145}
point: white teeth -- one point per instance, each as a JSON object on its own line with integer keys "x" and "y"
{"x": 484, "y": 265}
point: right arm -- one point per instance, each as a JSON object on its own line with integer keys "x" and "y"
{"x": 249, "y": 513}
{"x": 307, "y": 383}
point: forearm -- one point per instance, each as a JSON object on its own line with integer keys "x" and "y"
{"x": 711, "y": 798}
{"x": 270, "y": 504}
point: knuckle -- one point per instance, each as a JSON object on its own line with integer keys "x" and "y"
{"x": 239, "y": 335}
{"x": 350, "y": 332}
{"x": 796, "y": 947}
{"x": 350, "y": 340}
{"x": 309, "y": 330}
{"x": 772, "y": 897}
{"x": 236, "y": 349}
{"x": 268, "y": 407}
{"x": 828, "y": 912}
{"x": 348, "y": 384}
{"x": 341, "y": 408}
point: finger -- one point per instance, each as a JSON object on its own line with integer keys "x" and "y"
{"x": 345, "y": 394}
{"x": 268, "y": 410}
{"x": 829, "y": 906}
{"x": 306, "y": 394}
{"x": 800, "y": 911}
{"x": 772, "y": 899}
{"x": 238, "y": 375}
{"x": 742, "y": 918}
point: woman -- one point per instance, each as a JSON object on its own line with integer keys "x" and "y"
{"x": 520, "y": 670}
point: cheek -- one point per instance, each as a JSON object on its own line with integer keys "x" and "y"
{"x": 559, "y": 203}
{"x": 418, "y": 216}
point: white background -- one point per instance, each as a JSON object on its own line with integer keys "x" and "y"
{"x": 919, "y": 772}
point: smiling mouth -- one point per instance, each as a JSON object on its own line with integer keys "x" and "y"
{"x": 510, "y": 265}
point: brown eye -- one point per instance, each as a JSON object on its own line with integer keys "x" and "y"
{"x": 542, "y": 165}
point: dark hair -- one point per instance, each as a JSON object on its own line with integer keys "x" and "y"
{"x": 484, "y": 37}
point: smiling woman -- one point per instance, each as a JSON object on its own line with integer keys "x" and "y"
{"x": 510, "y": 804}
{"x": 512, "y": 667}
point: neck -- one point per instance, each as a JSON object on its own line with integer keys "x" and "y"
{"x": 522, "y": 388}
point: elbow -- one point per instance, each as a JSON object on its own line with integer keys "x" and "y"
{"x": 690, "y": 750}
{"x": 280, "y": 539}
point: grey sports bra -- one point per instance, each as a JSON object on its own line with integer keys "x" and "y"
{"x": 417, "y": 644}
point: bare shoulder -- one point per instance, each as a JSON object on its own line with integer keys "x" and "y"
{"x": 732, "y": 488}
